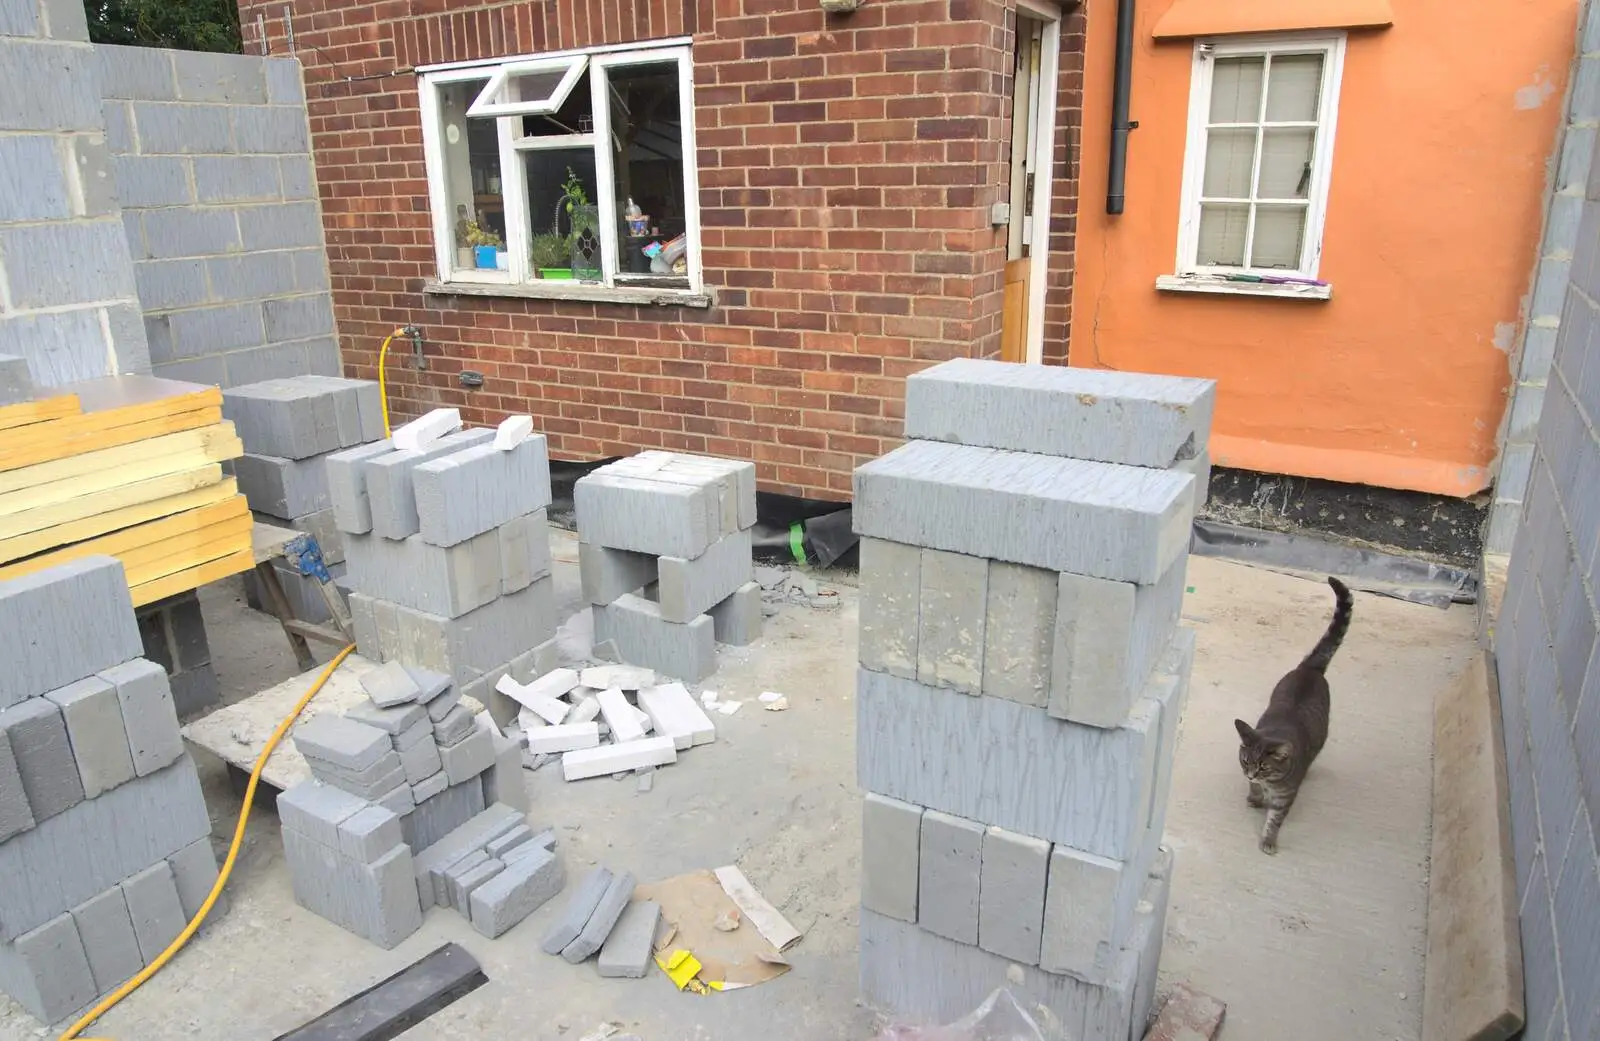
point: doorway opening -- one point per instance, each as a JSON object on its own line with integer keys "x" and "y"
{"x": 1033, "y": 123}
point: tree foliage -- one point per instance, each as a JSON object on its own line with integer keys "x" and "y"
{"x": 190, "y": 25}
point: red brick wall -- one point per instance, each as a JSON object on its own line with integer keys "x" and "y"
{"x": 847, "y": 166}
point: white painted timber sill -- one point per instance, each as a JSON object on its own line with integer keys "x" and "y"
{"x": 1222, "y": 287}
{"x": 574, "y": 291}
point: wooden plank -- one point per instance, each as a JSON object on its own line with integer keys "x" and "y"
{"x": 114, "y": 520}
{"x": 192, "y": 578}
{"x": 170, "y": 556}
{"x": 388, "y": 1009}
{"x": 1472, "y": 983}
{"x": 134, "y": 539}
{"x": 106, "y": 501}
{"x": 1014, "y": 312}
{"x": 269, "y": 540}
{"x": 218, "y": 445}
{"x": 68, "y": 437}
{"x": 25, "y": 413}
{"x": 111, "y": 458}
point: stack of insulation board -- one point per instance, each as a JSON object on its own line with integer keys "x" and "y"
{"x": 448, "y": 552}
{"x": 125, "y": 466}
{"x": 413, "y": 802}
{"x": 289, "y": 428}
{"x": 1022, "y": 677}
{"x": 664, "y": 553}
{"x": 105, "y": 845}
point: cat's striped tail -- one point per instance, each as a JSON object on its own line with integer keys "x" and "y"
{"x": 1326, "y": 647}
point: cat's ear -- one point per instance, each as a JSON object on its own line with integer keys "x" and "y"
{"x": 1246, "y": 733}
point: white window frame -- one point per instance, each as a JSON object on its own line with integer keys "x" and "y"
{"x": 518, "y": 280}
{"x": 1193, "y": 276}
{"x": 486, "y": 105}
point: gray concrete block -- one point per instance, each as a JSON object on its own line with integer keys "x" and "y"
{"x": 949, "y": 869}
{"x": 371, "y": 784}
{"x": 390, "y": 686}
{"x": 49, "y": 87}
{"x": 108, "y": 939}
{"x": 479, "y": 642}
{"x": 236, "y": 178}
{"x": 730, "y": 483}
{"x": 603, "y": 919}
{"x": 630, "y": 949}
{"x": 467, "y": 874}
{"x": 93, "y": 717}
{"x": 205, "y": 330}
{"x": 136, "y": 73}
{"x": 92, "y": 157}
{"x": 284, "y": 488}
{"x": 37, "y": 733}
{"x": 645, "y": 516}
{"x": 993, "y": 760}
{"x": 456, "y": 724}
{"x": 445, "y": 886}
{"x": 20, "y": 18}
{"x": 33, "y": 180}
{"x": 1011, "y": 895}
{"x": 178, "y": 233}
{"x": 47, "y": 971}
{"x": 69, "y": 263}
{"x": 1079, "y": 413}
{"x": 285, "y": 85}
{"x": 954, "y": 593}
{"x": 891, "y": 605}
{"x": 524, "y": 550}
{"x": 683, "y": 651}
{"x": 891, "y": 833}
{"x": 738, "y": 620}
{"x": 471, "y": 834}
{"x": 1090, "y": 908}
{"x": 287, "y": 226}
{"x": 63, "y": 346}
{"x": 440, "y": 809}
{"x": 580, "y": 907}
{"x": 341, "y": 742}
{"x": 1124, "y": 523}
{"x": 469, "y": 757}
{"x": 368, "y": 834}
{"x": 62, "y": 624}
{"x": 15, "y": 814}
{"x": 503, "y": 782}
{"x": 447, "y": 581}
{"x": 399, "y": 802}
{"x": 443, "y": 703}
{"x": 165, "y": 284}
{"x": 517, "y": 836}
{"x": 194, "y": 872}
{"x": 144, "y": 180}
{"x": 522, "y": 887}
{"x": 421, "y": 759}
{"x": 1107, "y": 639}
{"x": 347, "y": 485}
{"x": 233, "y": 79}
{"x": 316, "y": 810}
{"x": 606, "y": 574}
{"x": 250, "y": 276}
{"x": 477, "y": 489}
{"x": 16, "y": 382}
{"x": 376, "y": 901}
{"x": 276, "y": 130}
{"x": 297, "y": 317}
{"x": 1019, "y": 633}
{"x": 395, "y": 721}
{"x": 1170, "y": 686}
{"x": 687, "y": 588}
{"x": 89, "y": 848}
{"x": 154, "y": 908}
{"x": 390, "y": 481}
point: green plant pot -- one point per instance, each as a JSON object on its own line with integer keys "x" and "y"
{"x": 556, "y": 273}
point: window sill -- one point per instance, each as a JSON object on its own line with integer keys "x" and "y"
{"x": 573, "y": 291}
{"x": 1222, "y": 287}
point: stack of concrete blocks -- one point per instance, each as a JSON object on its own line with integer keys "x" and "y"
{"x": 664, "y": 555}
{"x": 289, "y": 428}
{"x": 448, "y": 549}
{"x": 1022, "y": 678}
{"x": 601, "y": 917}
{"x": 398, "y": 782}
{"x": 105, "y": 845}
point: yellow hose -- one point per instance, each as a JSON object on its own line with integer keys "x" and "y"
{"x": 227, "y": 864}
{"x": 383, "y": 383}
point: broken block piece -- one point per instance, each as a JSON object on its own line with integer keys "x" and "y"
{"x": 619, "y": 715}
{"x": 568, "y": 737}
{"x": 677, "y": 715}
{"x": 522, "y": 887}
{"x": 949, "y": 869}
{"x": 426, "y": 429}
{"x": 1011, "y": 894}
{"x": 93, "y": 717}
{"x": 602, "y": 920}
{"x": 575, "y": 915}
{"x": 686, "y": 651}
{"x": 891, "y": 837}
{"x": 610, "y": 759}
{"x": 630, "y": 948}
{"x": 512, "y": 431}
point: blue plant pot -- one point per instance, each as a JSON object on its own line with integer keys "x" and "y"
{"x": 484, "y": 256}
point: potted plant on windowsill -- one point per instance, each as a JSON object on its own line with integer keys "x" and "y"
{"x": 486, "y": 246}
{"x": 550, "y": 255}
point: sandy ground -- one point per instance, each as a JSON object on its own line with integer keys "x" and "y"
{"x": 1324, "y": 941}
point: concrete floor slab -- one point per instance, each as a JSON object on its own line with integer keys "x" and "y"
{"x": 1323, "y": 942}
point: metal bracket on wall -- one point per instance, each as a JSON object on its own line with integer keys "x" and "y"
{"x": 417, "y": 359}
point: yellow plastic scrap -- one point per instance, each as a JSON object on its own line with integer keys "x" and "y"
{"x": 681, "y": 967}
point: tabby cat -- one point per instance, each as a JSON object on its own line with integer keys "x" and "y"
{"x": 1276, "y": 753}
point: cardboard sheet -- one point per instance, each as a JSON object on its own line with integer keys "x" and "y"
{"x": 691, "y": 903}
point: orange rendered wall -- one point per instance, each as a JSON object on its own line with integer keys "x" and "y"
{"x": 1446, "y": 122}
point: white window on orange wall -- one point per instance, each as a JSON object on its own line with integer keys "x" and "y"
{"x": 1262, "y": 114}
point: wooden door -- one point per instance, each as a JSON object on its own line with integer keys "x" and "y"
{"x": 1014, "y": 314}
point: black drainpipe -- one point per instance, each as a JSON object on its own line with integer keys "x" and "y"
{"x": 1121, "y": 88}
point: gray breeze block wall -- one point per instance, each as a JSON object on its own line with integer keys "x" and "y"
{"x": 67, "y": 301}
{"x": 212, "y": 154}
{"x": 1548, "y": 662}
{"x": 1546, "y": 310}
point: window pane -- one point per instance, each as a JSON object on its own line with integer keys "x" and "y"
{"x": 1294, "y": 87}
{"x": 575, "y": 116}
{"x": 1236, "y": 90}
{"x": 1230, "y": 155}
{"x": 532, "y": 87}
{"x": 471, "y": 151}
{"x": 1222, "y": 230}
{"x": 1279, "y": 233}
{"x": 1285, "y": 164}
{"x": 647, "y": 158}
{"x": 564, "y": 221}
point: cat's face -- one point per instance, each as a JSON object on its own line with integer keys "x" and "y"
{"x": 1263, "y": 761}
